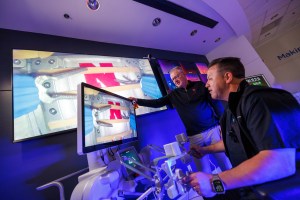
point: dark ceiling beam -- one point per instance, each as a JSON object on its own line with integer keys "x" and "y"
{"x": 174, "y": 9}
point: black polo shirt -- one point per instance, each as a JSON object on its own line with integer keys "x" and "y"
{"x": 269, "y": 117}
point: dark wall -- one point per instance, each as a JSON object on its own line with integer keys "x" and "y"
{"x": 29, "y": 164}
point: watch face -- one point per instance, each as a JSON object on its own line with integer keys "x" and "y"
{"x": 218, "y": 186}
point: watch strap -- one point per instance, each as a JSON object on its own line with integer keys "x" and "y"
{"x": 217, "y": 184}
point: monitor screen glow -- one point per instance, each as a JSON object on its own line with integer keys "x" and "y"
{"x": 125, "y": 155}
{"x": 105, "y": 119}
{"x": 259, "y": 80}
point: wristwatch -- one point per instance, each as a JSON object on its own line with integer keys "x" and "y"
{"x": 217, "y": 184}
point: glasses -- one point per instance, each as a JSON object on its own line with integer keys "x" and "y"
{"x": 176, "y": 76}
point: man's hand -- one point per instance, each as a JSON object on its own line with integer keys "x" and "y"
{"x": 201, "y": 183}
{"x": 134, "y": 102}
{"x": 197, "y": 151}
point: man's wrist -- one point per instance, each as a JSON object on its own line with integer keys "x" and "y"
{"x": 208, "y": 149}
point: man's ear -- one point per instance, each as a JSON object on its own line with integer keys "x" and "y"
{"x": 228, "y": 77}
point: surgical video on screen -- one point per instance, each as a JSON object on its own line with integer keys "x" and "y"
{"x": 45, "y": 87}
{"x": 107, "y": 118}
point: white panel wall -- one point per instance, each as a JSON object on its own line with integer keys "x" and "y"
{"x": 240, "y": 47}
{"x": 282, "y": 56}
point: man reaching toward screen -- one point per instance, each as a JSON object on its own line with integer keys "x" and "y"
{"x": 198, "y": 112}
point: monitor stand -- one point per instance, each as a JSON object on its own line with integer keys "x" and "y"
{"x": 95, "y": 160}
{"x": 100, "y": 182}
{"x": 96, "y": 165}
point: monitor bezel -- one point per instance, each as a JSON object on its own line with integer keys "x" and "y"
{"x": 81, "y": 148}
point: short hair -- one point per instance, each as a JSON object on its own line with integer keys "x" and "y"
{"x": 176, "y": 68}
{"x": 229, "y": 64}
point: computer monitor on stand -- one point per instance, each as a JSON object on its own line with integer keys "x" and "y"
{"x": 105, "y": 120}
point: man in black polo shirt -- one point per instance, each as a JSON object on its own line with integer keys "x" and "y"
{"x": 198, "y": 112}
{"x": 261, "y": 131}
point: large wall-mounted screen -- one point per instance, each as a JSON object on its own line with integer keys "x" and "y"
{"x": 45, "y": 87}
{"x": 195, "y": 71}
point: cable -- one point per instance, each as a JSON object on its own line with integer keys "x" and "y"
{"x": 110, "y": 152}
{"x": 102, "y": 157}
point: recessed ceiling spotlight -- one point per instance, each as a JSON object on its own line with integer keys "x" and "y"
{"x": 93, "y": 4}
{"x": 156, "y": 21}
{"x": 194, "y": 32}
{"x": 218, "y": 39}
{"x": 67, "y": 16}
